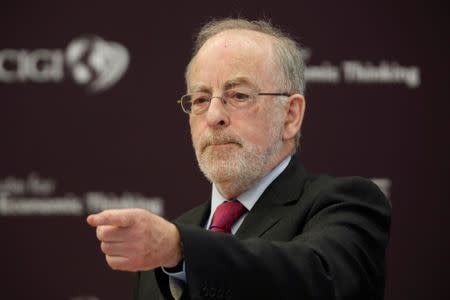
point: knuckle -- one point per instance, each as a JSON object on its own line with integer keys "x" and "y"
{"x": 112, "y": 263}
{"x": 109, "y": 261}
{"x": 106, "y": 216}
{"x": 139, "y": 231}
{"x": 124, "y": 219}
{"x": 99, "y": 232}
{"x": 104, "y": 247}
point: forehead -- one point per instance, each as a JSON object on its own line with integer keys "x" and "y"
{"x": 234, "y": 54}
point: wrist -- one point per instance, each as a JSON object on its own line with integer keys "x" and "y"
{"x": 176, "y": 250}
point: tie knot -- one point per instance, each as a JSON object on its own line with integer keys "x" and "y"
{"x": 225, "y": 215}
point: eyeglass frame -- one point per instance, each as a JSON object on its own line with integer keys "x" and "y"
{"x": 224, "y": 102}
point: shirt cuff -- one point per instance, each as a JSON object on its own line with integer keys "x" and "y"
{"x": 178, "y": 274}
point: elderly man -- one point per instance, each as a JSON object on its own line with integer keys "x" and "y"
{"x": 270, "y": 230}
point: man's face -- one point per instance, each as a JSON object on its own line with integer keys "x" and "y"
{"x": 235, "y": 148}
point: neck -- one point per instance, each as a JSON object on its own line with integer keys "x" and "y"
{"x": 234, "y": 187}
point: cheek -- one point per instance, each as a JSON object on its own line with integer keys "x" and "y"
{"x": 259, "y": 135}
{"x": 195, "y": 126}
{"x": 253, "y": 129}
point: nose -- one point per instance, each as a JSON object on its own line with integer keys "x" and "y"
{"x": 217, "y": 114}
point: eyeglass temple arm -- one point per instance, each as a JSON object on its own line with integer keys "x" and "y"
{"x": 274, "y": 94}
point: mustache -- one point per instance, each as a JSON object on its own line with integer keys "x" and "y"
{"x": 209, "y": 139}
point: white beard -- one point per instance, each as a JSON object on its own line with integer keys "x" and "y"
{"x": 240, "y": 165}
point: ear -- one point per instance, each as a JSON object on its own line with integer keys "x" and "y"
{"x": 294, "y": 118}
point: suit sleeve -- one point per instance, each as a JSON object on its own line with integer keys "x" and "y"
{"x": 337, "y": 251}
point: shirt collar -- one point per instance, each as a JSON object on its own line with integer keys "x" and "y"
{"x": 249, "y": 198}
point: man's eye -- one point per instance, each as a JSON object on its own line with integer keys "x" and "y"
{"x": 240, "y": 97}
{"x": 201, "y": 100}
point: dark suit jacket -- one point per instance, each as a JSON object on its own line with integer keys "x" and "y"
{"x": 307, "y": 237}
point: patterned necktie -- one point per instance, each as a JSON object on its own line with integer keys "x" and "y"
{"x": 225, "y": 215}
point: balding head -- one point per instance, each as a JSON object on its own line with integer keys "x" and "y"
{"x": 287, "y": 53}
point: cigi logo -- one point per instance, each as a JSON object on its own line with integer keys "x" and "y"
{"x": 90, "y": 61}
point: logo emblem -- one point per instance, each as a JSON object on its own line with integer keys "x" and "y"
{"x": 96, "y": 63}
{"x": 91, "y": 61}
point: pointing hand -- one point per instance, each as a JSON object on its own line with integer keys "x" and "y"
{"x": 136, "y": 239}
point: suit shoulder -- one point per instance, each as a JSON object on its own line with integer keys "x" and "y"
{"x": 354, "y": 185}
{"x": 324, "y": 190}
{"x": 326, "y": 182}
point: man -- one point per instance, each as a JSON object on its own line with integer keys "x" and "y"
{"x": 272, "y": 230}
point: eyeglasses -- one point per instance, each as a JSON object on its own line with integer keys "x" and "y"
{"x": 198, "y": 103}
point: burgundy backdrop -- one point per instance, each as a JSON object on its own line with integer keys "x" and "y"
{"x": 89, "y": 120}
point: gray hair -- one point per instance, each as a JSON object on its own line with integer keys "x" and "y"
{"x": 288, "y": 54}
{"x": 287, "y": 51}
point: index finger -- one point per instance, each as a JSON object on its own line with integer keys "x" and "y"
{"x": 116, "y": 217}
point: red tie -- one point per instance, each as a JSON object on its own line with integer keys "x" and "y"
{"x": 225, "y": 215}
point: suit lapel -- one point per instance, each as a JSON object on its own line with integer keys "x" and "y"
{"x": 196, "y": 216}
{"x": 272, "y": 205}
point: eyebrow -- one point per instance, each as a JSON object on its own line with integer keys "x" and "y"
{"x": 229, "y": 84}
{"x": 239, "y": 81}
{"x": 199, "y": 88}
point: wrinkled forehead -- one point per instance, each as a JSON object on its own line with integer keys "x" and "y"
{"x": 234, "y": 54}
